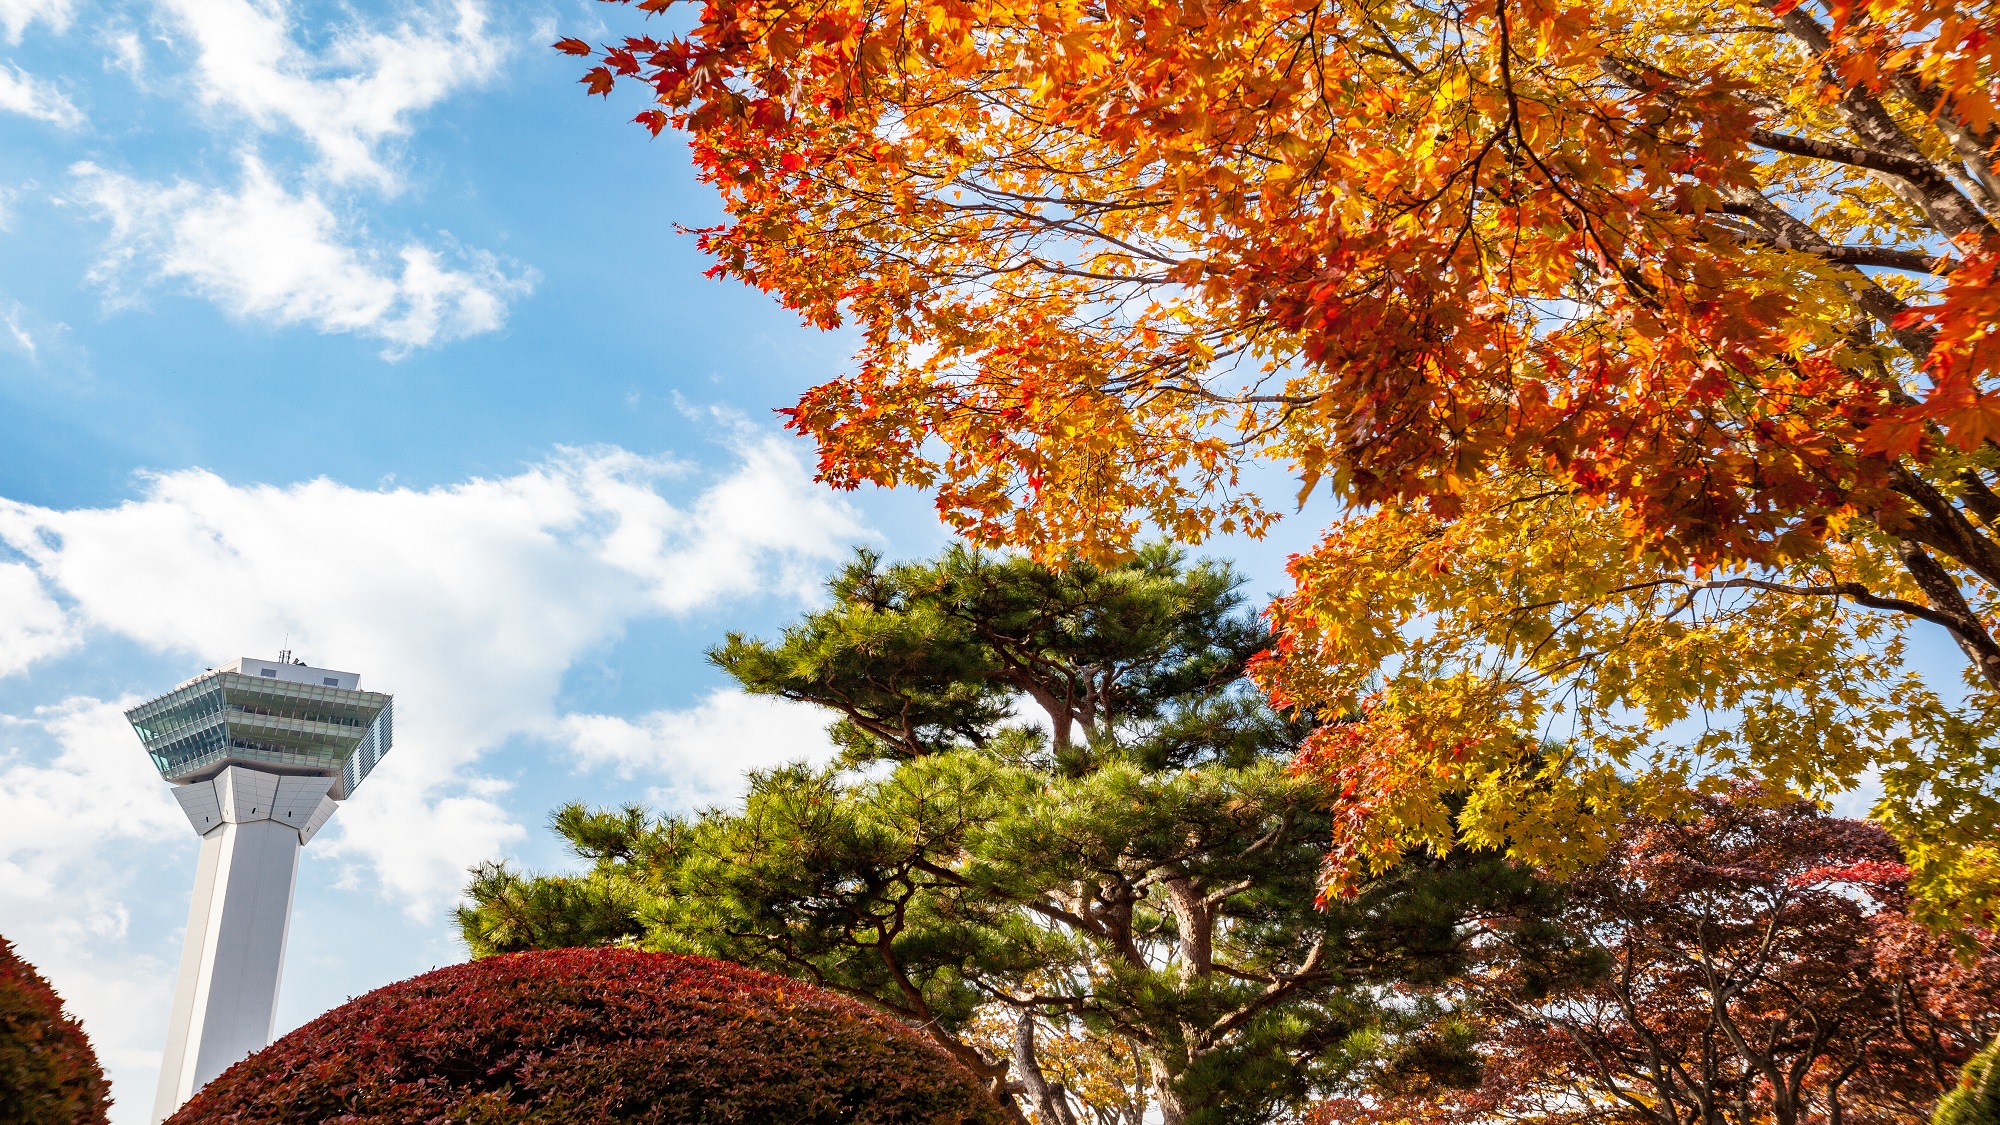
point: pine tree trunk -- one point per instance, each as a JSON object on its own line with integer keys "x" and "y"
{"x": 1167, "y": 1098}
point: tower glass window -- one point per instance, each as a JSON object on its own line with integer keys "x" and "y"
{"x": 225, "y": 717}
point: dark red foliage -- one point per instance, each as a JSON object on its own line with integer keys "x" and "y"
{"x": 48, "y": 1073}
{"x": 588, "y": 1036}
{"x": 1755, "y": 965}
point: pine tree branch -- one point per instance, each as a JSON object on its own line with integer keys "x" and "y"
{"x": 1309, "y": 972}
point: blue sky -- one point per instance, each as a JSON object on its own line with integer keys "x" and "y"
{"x": 360, "y": 328}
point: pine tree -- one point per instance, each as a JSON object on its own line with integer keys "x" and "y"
{"x": 1137, "y": 865}
{"x": 1976, "y": 1101}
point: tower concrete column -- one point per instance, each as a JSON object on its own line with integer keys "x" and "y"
{"x": 227, "y": 994}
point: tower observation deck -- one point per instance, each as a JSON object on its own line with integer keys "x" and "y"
{"x": 259, "y": 753}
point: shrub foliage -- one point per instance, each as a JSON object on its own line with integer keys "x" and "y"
{"x": 1976, "y": 1099}
{"x": 48, "y": 1073}
{"x": 583, "y": 1036}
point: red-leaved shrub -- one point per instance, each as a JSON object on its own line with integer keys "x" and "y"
{"x": 48, "y": 1073}
{"x": 589, "y": 1036}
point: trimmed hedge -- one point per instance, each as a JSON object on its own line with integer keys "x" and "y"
{"x": 48, "y": 1073}
{"x": 589, "y": 1036}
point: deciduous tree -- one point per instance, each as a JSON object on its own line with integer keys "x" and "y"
{"x": 1473, "y": 644}
{"x": 1714, "y": 284}
{"x": 1755, "y": 964}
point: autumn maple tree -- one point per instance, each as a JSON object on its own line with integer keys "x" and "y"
{"x": 1644, "y": 350}
{"x": 1747, "y": 964}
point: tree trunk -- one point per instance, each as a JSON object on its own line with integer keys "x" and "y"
{"x": 1049, "y": 1100}
{"x": 1945, "y": 596}
{"x": 1167, "y": 1097}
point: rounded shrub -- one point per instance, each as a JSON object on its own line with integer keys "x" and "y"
{"x": 48, "y": 1073}
{"x": 589, "y": 1036}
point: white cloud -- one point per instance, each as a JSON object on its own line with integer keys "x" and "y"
{"x": 23, "y": 93}
{"x": 278, "y": 247}
{"x": 264, "y": 252}
{"x": 701, "y": 752}
{"x": 16, "y": 15}
{"x": 64, "y": 823}
{"x": 469, "y": 602}
{"x": 128, "y": 55}
{"x": 417, "y": 845}
{"x": 32, "y": 625}
{"x": 53, "y": 812}
{"x": 349, "y": 98}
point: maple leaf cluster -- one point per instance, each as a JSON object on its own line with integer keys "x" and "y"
{"x": 1647, "y": 351}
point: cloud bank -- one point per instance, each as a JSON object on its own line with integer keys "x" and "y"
{"x": 352, "y": 96}
{"x": 679, "y": 746}
{"x": 23, "y": 93}
{"x": 70, "y": 815}
{"x": 470, "y": 602}
{"x": 16, "y": 15}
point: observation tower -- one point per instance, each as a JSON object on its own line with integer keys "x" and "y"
{"x": 259, "y": 753}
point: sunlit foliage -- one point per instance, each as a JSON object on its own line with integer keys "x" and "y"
{"x": 1710, "y": 286}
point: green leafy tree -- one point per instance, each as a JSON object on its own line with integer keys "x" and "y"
{"x": 1135, "y": 864}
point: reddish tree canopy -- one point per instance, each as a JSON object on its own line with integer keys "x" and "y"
{"x": 588, "y": 1036}
{"x": 48, "y": 1073}
{"x": 1758, "y": 964}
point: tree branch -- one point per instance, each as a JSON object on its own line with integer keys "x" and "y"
{"x": 1050, "y": 1100}
{"x": 1272, "y": 993}
{"x": 1790, "y": 233}
{"x": 1938, "y": 585}
{"x": 1915, "y": 171}
{"x": 1887, "y": 257}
